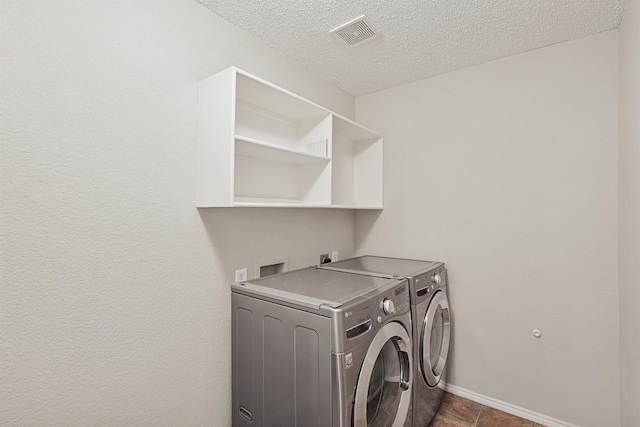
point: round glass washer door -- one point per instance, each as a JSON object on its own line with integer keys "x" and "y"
{"x": 434, "y": 342}
{"x": 383, "y": 390}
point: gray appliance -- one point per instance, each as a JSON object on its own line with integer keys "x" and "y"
{"x": 319, "y": 348}
{"x": 431, "y": 320}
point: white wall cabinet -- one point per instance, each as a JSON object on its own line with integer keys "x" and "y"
{"x": 260, "y": 145}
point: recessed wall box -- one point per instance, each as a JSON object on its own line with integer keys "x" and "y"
{"x": 272, "y": 266}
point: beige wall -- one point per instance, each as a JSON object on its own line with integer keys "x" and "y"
{"x": 508, "y": 172}
{"x": 629, "y": 216}
{"x": 114, "y": 295}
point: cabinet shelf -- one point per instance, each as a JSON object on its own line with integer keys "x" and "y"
{"x": 260, "y": 145}
{"x": 263, "y": 150}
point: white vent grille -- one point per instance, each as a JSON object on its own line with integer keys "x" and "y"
{"x": 356, "y": 32}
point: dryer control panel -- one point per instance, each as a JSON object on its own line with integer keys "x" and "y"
{"x": 354, "y": 323}
{"x": 426, "y": 284}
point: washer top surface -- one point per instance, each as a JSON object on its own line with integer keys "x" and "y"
{"x": 383, "y": 265}
{"x": 313, "y": 287}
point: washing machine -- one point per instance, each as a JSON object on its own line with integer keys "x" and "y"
{"x": 320, "y": 348}
{"x": 431, "y": 321}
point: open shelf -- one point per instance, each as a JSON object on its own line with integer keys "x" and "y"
{"x": 357, "y": 178}
{"x": 260, "y": 145}
{"x": 262, "y": 150}
{"x": 261, "y": 178}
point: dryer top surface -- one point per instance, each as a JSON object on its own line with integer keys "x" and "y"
{"x": 312, "y": 287}
{"x": 383, "y": 265}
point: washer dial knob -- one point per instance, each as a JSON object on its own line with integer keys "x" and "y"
{"x": 436, "y": 279}
{"x": 388, "y": 306}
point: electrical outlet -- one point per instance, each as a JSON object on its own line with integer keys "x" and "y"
{"x": 241, "y": 275}
{"x": 334, "y": 256}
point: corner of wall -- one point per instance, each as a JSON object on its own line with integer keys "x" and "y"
{"x": 629, "y": 213}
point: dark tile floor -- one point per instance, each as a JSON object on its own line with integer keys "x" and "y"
{"x": 457, "y": 411}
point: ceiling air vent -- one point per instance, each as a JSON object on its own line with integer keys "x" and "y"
{"x": 356, "y": 32}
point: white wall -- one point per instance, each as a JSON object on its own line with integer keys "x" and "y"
{"x": 507, "y": 171}
{"x": 115, "y": 301}
{"x": 629, "y": 215}
{"x": 114, "y": 304}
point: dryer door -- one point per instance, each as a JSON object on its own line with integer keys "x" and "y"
{"x": 383, "y": 391}
{"x": 434, "y": 341}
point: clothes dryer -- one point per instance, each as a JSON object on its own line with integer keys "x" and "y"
{"x": 319, "y": 348}
{"x": 431, "y": 323}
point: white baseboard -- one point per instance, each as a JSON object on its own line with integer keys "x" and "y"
{"x": 507, "y": 407}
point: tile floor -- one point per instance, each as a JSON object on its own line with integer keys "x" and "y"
{"x": 457, "y": 411}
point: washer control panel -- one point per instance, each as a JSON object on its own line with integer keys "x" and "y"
{"x": 436, "y": 279}
{"x": 388, "y": 306}
{"x": 393, "y": 302}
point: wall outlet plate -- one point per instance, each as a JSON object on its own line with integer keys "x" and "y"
{"x": 241, "y": 275}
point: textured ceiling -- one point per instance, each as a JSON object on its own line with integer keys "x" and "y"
{"x": 419, "y": 38}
